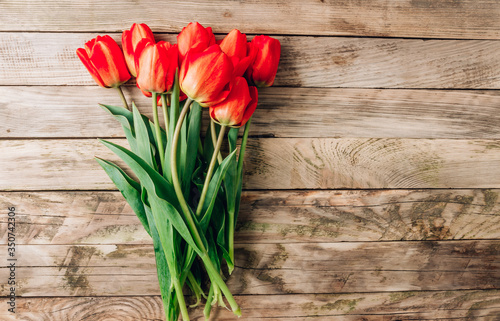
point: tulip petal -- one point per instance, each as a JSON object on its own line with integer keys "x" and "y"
{"x": 84, "y": 57}
{"x": 231, "y": 111}
{"x": 251, "y": 106}
{"x": 108, "y": 59}
{"x": 205, "y": 76}
{"x": 128, "y": 52}
{"x": 263, "y": 69}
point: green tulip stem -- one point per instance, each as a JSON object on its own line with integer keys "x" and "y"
{"x": 165, "y": 112}
{"x": 161, "y": 150}
{"x": 214, "y": 139}
{"x": 239, "y": 175}
{"x": 180, "y": 298}
{"x": 243, "y": 147}
{"x": 122, "y": 96}
{"x": 210, "y": 170}
{"x": 175, "y": 178}
{"x": 215, "y": 277}
{"x": 208, "y": 305}
{"x": 210, "y": 268}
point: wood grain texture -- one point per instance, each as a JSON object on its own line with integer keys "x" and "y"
{"x": 60, "y": 111}
{"x": 457, "y": 305}
{"x": 268, "y": 217}
{"x": 276, "y": 163}
{"x": 305, "y": 61}
{"x": 305, "y": 268}
{"x": 415, "y": 18}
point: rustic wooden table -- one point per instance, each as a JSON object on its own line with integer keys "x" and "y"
{"x": 372, "y": 178}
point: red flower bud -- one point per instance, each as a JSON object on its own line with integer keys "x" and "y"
{"x": 155, "y": 65}
{"x": 130, "y": 40}
{"x": 238, "y": 107}
{"x": 241, "y": 53}
{"x": 104, "y": 60}
{"x": 194, "y": 38}
{"x": 205, "y": 77}
{"x": 263, "y": 69}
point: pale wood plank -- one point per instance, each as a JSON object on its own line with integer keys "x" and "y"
{"x": 459, "y": 305}
{"x": 347, "y": 267}
{"x": 306, "y": 62}
{"x": 422, "y": 18}
{"x": 268, "y": 217}
{"x": 276, "y": 163}
{"x": 43, "y": 111}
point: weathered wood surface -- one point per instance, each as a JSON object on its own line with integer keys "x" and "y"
{"x": 456, "y": 305}
{"x": 62, "y": 111}
{"x": 306, "y": 268}
{"x": 268, "y": 217}
{"x": 417, "y": 18}
{"x": 305, "y": 62}
{"x": 276, "y": 163}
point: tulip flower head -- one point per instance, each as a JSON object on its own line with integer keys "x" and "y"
{"x": 195, "y": 38}
{"x": 104, "y": 60}
{"x": 263, "y": 69}
{"x": 238, "y": 107}
{"x": 241, "y": 53}
{"x": 205, "y": 77}
{"x": 156, "y": 65}
{"x": 130, "y": 40}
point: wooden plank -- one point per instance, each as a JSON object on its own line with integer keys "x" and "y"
{"x": 276, "y": 163}
{"x": 268, "y": 217}
{"x": 306, "y": 268}
{"x": 50, "y": 111}
{"x": 418, "y": 18}
{"x": 305, "y": 62}
{"x": 459, "y": 305}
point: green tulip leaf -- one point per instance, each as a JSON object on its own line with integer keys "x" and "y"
{"x": 161, "y": 194}
{"x": 164, "y": 278}
{"x": 232, "y": 137}
{"x": 192, "y": 145}
{"x": 142, "y": 137}
{"x": 213, "y": 189}
{"x": 129, "y": 188}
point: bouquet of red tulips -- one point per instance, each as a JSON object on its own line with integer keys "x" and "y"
{"x": 187, "y": 194}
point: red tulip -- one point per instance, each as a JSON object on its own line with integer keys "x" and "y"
{"x": 194, "y": 37}
{"x": 241, "y": 53}
{"x": 104, "y": 60}
{"x": 155, "y": 65}
{"x": 130, "y": 40}
{"x": 263, "y": 69}
{"x": 205, "y": 77}
{"x": 238, "y": 107}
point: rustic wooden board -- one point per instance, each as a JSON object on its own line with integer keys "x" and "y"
{"x": 306, "y": 268}
{"x": 62, "y": 111}
{"x": 459, "y": 305}
{"x": 416, "y": 18}
{"x": 276, "y": 163}
{"x": 50, "y": 59}
{"x": 269, "y": 217}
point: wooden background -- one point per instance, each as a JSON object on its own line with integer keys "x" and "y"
{"x": 372, "y": 176}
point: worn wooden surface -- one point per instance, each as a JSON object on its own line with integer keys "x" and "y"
{"x": 304, "y": 268}
{"x": 276, "y": 163}
{"x": 53, "y": 111}
{"x": 271, "y": 216}
{"x": 414, "y": 305}
{"x": 468, "y": 19}
{"x": 372, "y": 175}
{"x": 305, "y": 62}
